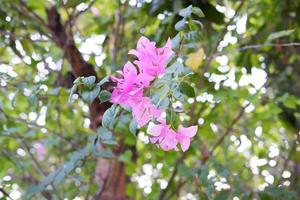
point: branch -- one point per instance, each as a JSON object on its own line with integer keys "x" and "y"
{"x": 73, "y": 17}
{"x": 5, "y": 193}
{"x": 35, "y": 125}
{"x": 171, "y": 179}
{"x": 38, "y": 166}
{"x": 228, "y": 130}
{"x": 256, "y": 46}
{"x": 288, "y": 158}
{"x": 210, "y": 57}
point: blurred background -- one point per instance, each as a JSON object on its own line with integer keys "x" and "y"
{"x": 245, "y": 99}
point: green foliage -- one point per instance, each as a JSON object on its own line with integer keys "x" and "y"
{"x": 45, "y": 136}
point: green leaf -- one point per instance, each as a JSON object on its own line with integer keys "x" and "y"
{"x": 27, "y": 46}
{"x": 163, "y": 104}
{"x": 30, "y": 133}
{"x": 197, "y": 22}
{"x": 125, "y": 157}
{"x": 104, "y": 154}
{"x": 73, "y": 90}
{"x": 88, "y": 81}
{"x": 103, "y": 80}
{"x": 180, "y": 25}
{"x": 223, "y": 195}
{"x": 109, "y": 116}
{"x": 74, "y": 3}
{"x": 104, "y": 133}
{"x": 176, "y": 67}
{"x": 55, "y": 91}
{"x": 176, "y": 41}
{"x": 133, "y": 127}
{"x": 186, "y": 89}
{"x": 91, "y": 95}
{"x": 171, "y": 116}
{"x": 197, "y": 11}
{"x": 290, "y": 101}
{"x": 77, "y": 80}
{"x": 186, "y": 12}
{"x": 58, "y": 176}
{"x": 104, "y": 96}
{"x": 280, "y": 34}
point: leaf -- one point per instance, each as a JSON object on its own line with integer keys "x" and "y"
{"x": 91, "y": 95}
{"x": 27, "y": 46}
{"x": 176, "y": 41}
{"x": 180, "y": 25}
{"x": 194, "y": 60}
{"x": 104, "y": 96}
{"x": 133, "y": 127}
{"x": 58, "y": 176}
{"x": 125, "y": 157}
{"x": 186, "y": 12}
{"x": 88, "y": 81}
{"x": 74, "y": 3}
{"x": 171, "y": 116}
{"x": 176, "y": 67}
{"x": 223, "y": 195}
{"x": 109, "y": 116}
{"x": 198, "y": 23}
{"x": 103, "y": 80}
{"x": 104, "y": 154}
{"x": 280, "y": 34}
{"x": 54, "y": 91}
{"x": 186, "y": 89}
{"x": 163, "y": 104}
{"x": 30, "y": 133}
{"x": 290, "y": 101}
{"x": 104, "y": 133}
{"x": 77, "y": 80}
{"x": 73, "y": 90}
{"x": 197, "y": 11}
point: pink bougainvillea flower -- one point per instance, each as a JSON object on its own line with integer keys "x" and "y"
{"x": 152, "y": 60}
{"x": 95, "y": 11}
{"x": 184, "y": 136}
{"x": 130, "y": 86}
{"x": 143, "y": 111}
{"x": 164, "y": 136}
{"x": 40, "y": 151}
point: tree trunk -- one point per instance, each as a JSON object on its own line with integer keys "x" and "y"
{"x": 110, "y": 176}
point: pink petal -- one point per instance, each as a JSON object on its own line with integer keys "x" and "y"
{"x": 155, "y": 130}
{"x": 185, "y": 144}
{"x": 169, "y": 142}
{"x": 154, "y": 139}
{"x": 133, "y": 52}
{"x": 189, "y": 131}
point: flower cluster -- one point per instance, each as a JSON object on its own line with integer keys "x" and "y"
{"x": 129, "y": 92}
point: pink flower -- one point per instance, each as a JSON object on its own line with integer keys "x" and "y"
{"x": 143, "y": 111}
{"x": 95, "y": 11}
{"x": 130, "y": 86}
{"x": 152, "y": 60}
{"x": 40, "y": 151}
{"x": 184, "y": 136}
{"x": 164, "y": 136}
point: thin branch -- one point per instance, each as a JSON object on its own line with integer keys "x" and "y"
{"x": 73, "y": 17}
{"x": 35, "y": 125}
{"x": 37, "y": 166}
{"x": 229, "y": 129}
{"x": 256, "y": 46}
{"x": 172, "y": 177}
{"x": 5, "y": 193}
{"x": 288, "y": 158}
{"x": 210, "y": 57}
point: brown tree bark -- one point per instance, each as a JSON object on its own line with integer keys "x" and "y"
{"x": 110, "y": 173}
